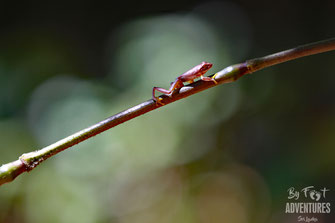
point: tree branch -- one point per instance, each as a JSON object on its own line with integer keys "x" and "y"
{"x": 29, "y": 161}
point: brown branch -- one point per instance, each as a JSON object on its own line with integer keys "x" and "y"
{"x": 29, "y": 161}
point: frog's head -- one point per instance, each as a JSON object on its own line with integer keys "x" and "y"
{"x": 205, "y": 66}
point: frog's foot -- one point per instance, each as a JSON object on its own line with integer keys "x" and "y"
{"x": 213, "y": 78}
{"x": 159, "y": 101}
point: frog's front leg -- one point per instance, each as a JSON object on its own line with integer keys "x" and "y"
{"x": 208, "y": 79}
{"x": 176, "y": 84}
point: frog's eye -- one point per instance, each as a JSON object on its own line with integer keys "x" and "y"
{"x": 206, "y": 66}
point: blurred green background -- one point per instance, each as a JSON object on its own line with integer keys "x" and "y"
{"x": 225, "y": 155}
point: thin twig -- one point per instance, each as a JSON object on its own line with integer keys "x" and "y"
{"x": 29, "y": 161}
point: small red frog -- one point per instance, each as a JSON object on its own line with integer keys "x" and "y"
{"x": 188, "y": 76}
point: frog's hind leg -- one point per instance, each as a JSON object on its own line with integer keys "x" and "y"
{"x": 162, "y": 90}
{"x": 176, "y": 84}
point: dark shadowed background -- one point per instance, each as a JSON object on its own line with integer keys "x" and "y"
{"x": 225, "y": 155}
